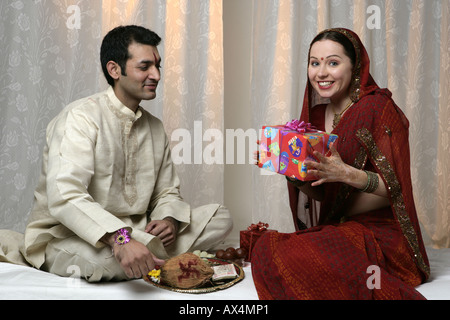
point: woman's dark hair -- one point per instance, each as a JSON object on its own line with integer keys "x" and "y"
{"x": 115, "y": 46}
{"x": 339, "y": 38}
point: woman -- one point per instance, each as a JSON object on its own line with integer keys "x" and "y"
{"x": 367, "y": 244}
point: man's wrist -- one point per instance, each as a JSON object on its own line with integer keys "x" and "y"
{"x": 122, "y": 236}
{"x": 112, "y": 239}
{"x": 174, "y": 222}
{"x": 108, "y": 239}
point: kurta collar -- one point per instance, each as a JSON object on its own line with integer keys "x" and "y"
{"x": 120, "y": 107}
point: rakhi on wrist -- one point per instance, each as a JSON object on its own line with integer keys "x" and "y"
{"x": 122, "y": 237}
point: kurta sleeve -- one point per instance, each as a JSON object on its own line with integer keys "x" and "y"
{"x": 70, "y": 169}
{"x": 166, "y": 200}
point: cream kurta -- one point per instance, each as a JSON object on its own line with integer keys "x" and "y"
{"x": 105, "y": 168}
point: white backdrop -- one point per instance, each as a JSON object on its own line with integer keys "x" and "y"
{"x": 49, "y": 57}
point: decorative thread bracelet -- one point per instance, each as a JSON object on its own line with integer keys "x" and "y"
{"x": 372, "y": 182}
{"x": 122, "y": 236}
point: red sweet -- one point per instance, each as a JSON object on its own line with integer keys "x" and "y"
{"x": 241, "y": 253}
{"x": 220, "y": 254}
{"x": 232, "y": 250}
{"x": 228, "y": 255}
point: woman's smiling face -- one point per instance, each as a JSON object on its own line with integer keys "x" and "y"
{"x": 330, "y": 70}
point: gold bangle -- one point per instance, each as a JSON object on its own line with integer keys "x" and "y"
{"x": 372, "y": 182}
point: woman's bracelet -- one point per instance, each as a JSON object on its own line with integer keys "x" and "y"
{"x": 372, "y": 182}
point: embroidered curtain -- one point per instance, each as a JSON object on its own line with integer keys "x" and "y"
{"x": 49, "y": 56}
{"x": 409, "y": 46}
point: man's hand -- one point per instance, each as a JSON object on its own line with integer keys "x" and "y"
{"x": 165, "y": 229}
{"x": 134, "y": 257}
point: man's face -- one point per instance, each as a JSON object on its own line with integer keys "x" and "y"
{"x": 142, "y": 75}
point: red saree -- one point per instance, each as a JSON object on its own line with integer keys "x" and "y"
{"x": 336, "y": 259}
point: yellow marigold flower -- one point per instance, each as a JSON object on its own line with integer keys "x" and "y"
{"x": 154, "y": 275}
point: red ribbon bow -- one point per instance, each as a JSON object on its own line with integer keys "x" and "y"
{"x": 300, "y": 127}
{"x": 259, "y": 227}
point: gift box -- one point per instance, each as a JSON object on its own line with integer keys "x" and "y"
{"x": 249, "y": 237}
{"x": 283, "y": 149}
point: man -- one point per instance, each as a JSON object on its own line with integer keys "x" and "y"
{"x": 108, "y": 198}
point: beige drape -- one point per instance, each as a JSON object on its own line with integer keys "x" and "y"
{"x": 408, "y": 42}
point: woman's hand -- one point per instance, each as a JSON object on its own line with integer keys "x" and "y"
{"x": 330, "y": 169}
{"x": 333, "y": 169}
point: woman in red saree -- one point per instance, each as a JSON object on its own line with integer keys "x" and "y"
{"x": 367, "y": 243}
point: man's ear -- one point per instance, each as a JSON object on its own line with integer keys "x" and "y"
{"x": 113, "y": 69}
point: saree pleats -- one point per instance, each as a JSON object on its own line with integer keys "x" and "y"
{"x": 340, "y": 261}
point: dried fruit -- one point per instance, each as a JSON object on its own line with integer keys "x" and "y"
{"x": 203, "y": 254}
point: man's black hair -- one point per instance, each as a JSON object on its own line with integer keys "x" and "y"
{"x": 115, "y": 46}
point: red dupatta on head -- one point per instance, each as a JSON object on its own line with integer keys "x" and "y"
{"x": 372, "y": 133}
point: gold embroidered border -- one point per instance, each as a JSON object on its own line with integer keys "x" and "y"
{"x": 129, "y": 146}
{"x": 395, "y": 193}
{"x": 130, "y": 143}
